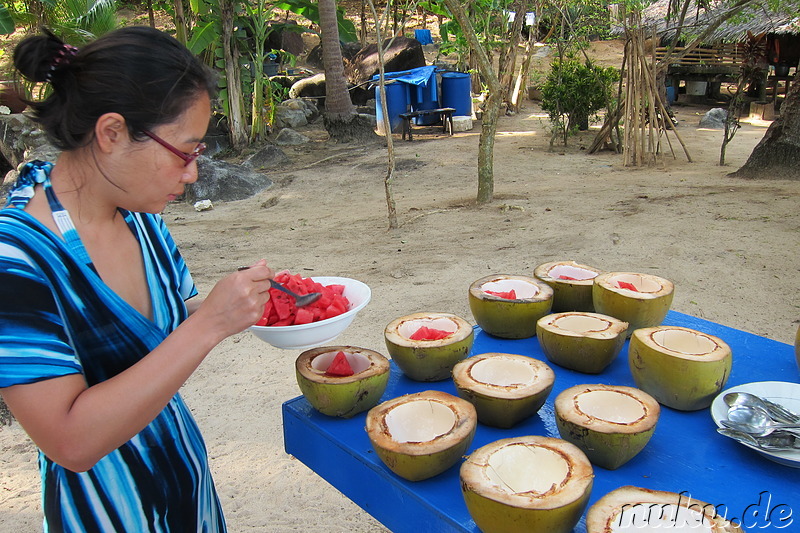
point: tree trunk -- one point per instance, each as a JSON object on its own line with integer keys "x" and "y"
{"x": 180, "y": 22}
{"x": 340, "y": 118}
{"x": 508, "y": 59}
{"x": 777, "y": 154}
{"x": 235, "y": 113}
{"x": 492, "y": 106}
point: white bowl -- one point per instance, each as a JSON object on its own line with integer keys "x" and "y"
{"x": 304, "y": 336}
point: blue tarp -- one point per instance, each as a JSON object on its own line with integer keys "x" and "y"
{"x": 415, "y": 76}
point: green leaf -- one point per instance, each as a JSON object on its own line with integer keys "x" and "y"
{"x": 203, "y": 37}
{"x": 7, "y": 25}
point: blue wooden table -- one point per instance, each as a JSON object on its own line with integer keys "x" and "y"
{"x": 685, "y": 453}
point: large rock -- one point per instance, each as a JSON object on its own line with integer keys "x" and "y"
{"x": 289, "y": 118}
{"x": 221, "y": 181}
{"x": 403, "y": 54}
{"x": 289, "y": 137}
{"x": 270, "y": 156}
{"x": 21, "y": 140}
{"x": 714, "y": 119}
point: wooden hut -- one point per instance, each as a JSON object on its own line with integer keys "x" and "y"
{"x": 719, "y": 58}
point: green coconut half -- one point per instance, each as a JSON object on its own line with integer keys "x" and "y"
{"x": 424, "y": 360}
{"x": 504, "y": 388}
{"x": 418, "y": 436}
{"x": 571, "y": 283}
{"x": 528, "y": 483}
{"x": 631, "y": 509}
{"x": 644, "y": 305}
{"x": 509, "y": 319}
{"x": 680, "y": 367}
{"x": 585, "y": 342}
{"x": 342, "y": 396}
{"x": 797, "y": 347}
{"x": 611, "y": 424}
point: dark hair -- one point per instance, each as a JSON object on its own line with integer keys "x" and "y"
{"x": 139, "y": 72}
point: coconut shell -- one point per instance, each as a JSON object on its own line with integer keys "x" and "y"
{"x": 510, "y": 319}
{"x": 568, "y": 294}
{"x": 608, "y": 444}
{"x": 416, "y": 461}
{"x": 423, "y": 360}
{"x": 343, "y": 396}
{"x": 640, "y": 509}
{"x": 590, "y": 351}
{"x": 683, "y": 381}
{"x": 645, "y": 307}
{"x": 797, "y": 347}
{"x": 556, "y": 509}
{"x": 504, "y": 405}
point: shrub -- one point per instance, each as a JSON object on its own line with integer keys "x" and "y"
{"x": 576, "y": 90}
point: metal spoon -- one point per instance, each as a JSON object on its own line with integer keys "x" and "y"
{"x": 300, "y": 300}
{"x": 756, "y": 421}
{"x": 781, "y": 443}
{"x": 777, "y": 412}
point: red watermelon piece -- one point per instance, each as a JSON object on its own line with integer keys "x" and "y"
{"x": 510, "y": 295}
{"x": 626, "y": 285}
{"x": 340, "y": 366}
{"x": 281, "y": 310}
{"x": 425, "y": 333}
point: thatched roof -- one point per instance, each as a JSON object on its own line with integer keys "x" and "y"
{"x": 758, "y": 18}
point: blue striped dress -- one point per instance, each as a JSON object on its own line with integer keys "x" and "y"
{"x": 57, "y": 317}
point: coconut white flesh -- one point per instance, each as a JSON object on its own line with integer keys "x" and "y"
{"x": 503, "y": 372}
{"x": 650, "y": 516}
{"x": 685, "y": 342}
{"x": 419, "y": 421}
{"x": 580, "y": 323}
{"x": 358, "y": 362}
{"x": 523, "y": 289}
{"x": 611, "y": 406}
{"x": 409, "y": 327}
{"x": 644, "y": 284}
{"x": 523, "y": 469}
{"x": 576, "y": 273}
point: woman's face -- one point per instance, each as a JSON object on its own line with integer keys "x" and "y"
{"x": 156, "y": 176}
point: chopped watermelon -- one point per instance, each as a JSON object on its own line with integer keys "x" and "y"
{"x": 510, "y": 295}
{"x": 425, "y": 333}
{"x": 281, "y": 310}
{"x": 340, "y": 366}
{"x": 626, "y": 285}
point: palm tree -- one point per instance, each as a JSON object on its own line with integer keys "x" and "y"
{"x": 340, "y": 117}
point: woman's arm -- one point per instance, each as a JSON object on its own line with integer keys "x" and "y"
{"x": 75, "y": 425}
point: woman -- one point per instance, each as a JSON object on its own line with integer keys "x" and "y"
{"x": 95, "y": 335}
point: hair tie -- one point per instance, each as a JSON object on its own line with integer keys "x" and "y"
{"x": 61, "y": 58}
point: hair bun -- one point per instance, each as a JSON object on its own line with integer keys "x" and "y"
{"x": 38, "y": 56}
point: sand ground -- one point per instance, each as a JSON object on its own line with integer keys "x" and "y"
{"x": 730, "y": 246}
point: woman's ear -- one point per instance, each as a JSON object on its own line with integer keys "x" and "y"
{"x": 111, "y": 132}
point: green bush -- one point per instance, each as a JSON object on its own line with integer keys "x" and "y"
{"x": 577, "y": 90}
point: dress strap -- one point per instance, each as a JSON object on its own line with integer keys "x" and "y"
{"x": 38, "y": 172}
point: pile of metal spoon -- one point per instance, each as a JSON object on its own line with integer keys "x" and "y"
{"x": 760, "y": 423}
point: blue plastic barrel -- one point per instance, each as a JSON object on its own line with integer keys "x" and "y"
{"x": 670, "y": 94}
{"x": 457, "y": 92}
{"x": 423, "y": 97}
{"x": 423, "y": 36}
{"x": 396, "y": 103}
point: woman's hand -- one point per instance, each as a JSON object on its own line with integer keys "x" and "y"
{"x": 237, "y": 301}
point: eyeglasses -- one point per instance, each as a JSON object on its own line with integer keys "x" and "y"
{"x": 187, "y": 158}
